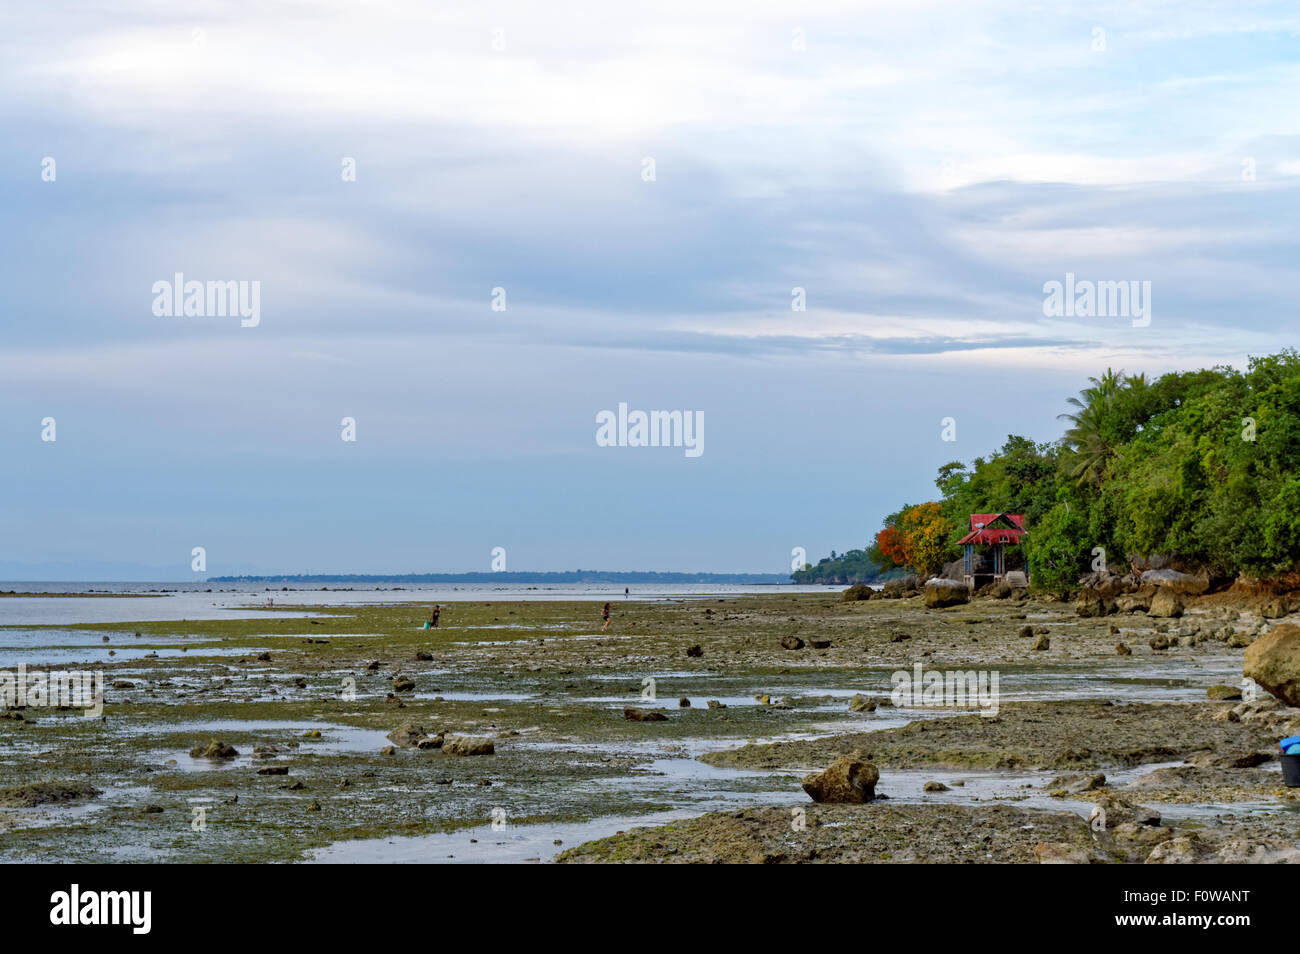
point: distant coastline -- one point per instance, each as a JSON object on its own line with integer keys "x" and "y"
{"x": 562, "y": 576}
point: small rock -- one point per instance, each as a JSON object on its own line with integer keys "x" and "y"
{"x": 213, "y": 749}
{"x": 791, "y": 642}
{"x": 936, "y": 787}
{"x": 846, "y": 780}
{"x": 403, "y": 684}
{"x": 643, "y": 715}
{"x": 1041, "y": 642}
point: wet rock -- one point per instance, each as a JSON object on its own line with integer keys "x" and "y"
{"x": 936, "y": 787}
{"x": 1133, "y": 603}
{"x": 46, "y": 793}
{"x": 847, "y": 779}
{"x": 858, "y": 591}
{"x": 313, "y": 806}
{"x": 715, "y": 704}
{"x": 424, "y": 656}
{"x": 791, "y": 642}
{"x": 1166, "y": 604}
{"x": 1273, "y": 661}
{"x": 1240, "y": 639}
{"x": 213, "y": 749}
{"x": 1074, "y": 783}
{"x": 695, "y": 652}
{"x": 273, "y": 770}
{"x": 407, "y": 735}
{"x": 861, "y": 703}
{"x": 468, "y": 745}
{"x": 1223, "y": 693}
{"x": 683, "y": 703}
{"x": 819, "y": 643}
{"x": 1115, "y": 810}
{"x": 1161, "y": 642}
{"x": 1248, "y": 758}
{"x": 1123, "y": 650}
{"x": 372, "y": 666}
{"x": 388, "y": 750}
{"x": 311, "y": 734}
{"x": 1041, "y": 642}
{"x": 403, "y": 684}
{"x": 1026, "y": 632}
{"x": 264, "y": 657}
{"x": 1273, "y": 608}
{"x": 643, "y": 715}
{"x": 430, "y": 742}
{"x": 940, "y": 593}
{"x": 1092, "y": 604}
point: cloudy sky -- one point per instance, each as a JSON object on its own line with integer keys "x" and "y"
{"x": 921, "y": 170}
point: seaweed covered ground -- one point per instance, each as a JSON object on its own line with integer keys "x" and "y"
{"x": 753, "y": 691}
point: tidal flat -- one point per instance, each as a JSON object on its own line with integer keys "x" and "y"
{"x": 309, "y": 701}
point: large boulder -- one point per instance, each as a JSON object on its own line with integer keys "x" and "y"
{"x": 1106, "y": 585}
{"x": 846, "y": 780}
{"x": 858, "y": 591}
{"x": 468, "y": 745}
{"x": 1092, "y": 603}
{"x": 900, "y": 586}
{"x": 940, "y": 593}
{"x": 1273, "y": 661}
{"x": 1183, "y": 584}
{"x": 407, "y": 735}
{"x": 1133, "y": 603}
{"x": 1166, "y": 604}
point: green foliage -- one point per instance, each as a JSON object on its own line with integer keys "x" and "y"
{"x": 1202, "y": 467}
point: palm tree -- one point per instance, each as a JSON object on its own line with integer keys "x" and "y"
{"x": 1088, "y": 436}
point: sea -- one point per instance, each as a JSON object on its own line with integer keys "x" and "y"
{"x": 143, "y": 602}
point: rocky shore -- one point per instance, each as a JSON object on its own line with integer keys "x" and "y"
{"x": 353, "y": 724}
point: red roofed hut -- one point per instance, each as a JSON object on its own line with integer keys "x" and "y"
{"x": 996, "y": 531}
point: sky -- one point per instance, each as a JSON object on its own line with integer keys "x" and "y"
{"x": 473, "y": 229}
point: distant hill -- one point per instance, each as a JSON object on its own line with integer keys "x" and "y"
{"x": 562, "y": 576}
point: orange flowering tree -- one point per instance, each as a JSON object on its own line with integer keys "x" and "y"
{"x": 918, "y": 537}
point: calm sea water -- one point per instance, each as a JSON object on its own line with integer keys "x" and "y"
{"x": 165, "y": 601}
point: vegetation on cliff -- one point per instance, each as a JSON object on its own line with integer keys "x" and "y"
{"x": 1196, "y": 469}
